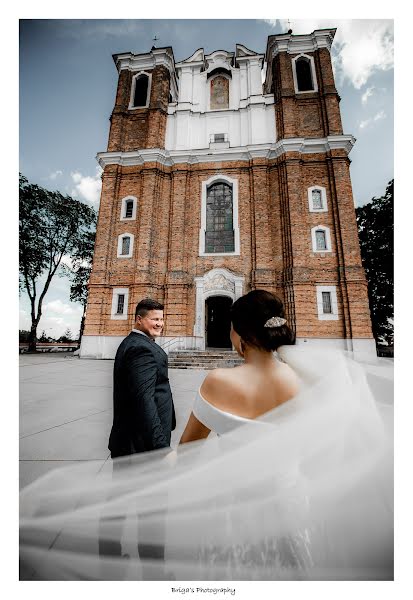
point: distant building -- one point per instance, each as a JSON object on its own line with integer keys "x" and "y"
{"x": 227, "y": 172}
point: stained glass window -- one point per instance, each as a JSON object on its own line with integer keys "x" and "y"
{"x": 219, "y": 235}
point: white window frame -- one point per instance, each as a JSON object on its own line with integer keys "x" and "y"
{"x": 115, "y": 293}
{"x": 314, "y": 239}
{"x": 313, "y": 73}
{"x": 133, "y": 86}
{"x": 235, "y": 219}
{"x": 123, "y": 208}
{"x": 120, "y": 238}
{"x": 333, "y": 316}
{"x": 323, "y": 199}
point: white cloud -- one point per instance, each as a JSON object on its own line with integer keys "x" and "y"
{"x": 367, "y": 94}
{"x": 61, "y": 308}
{"x": 86, "y": 187}
{"x": 361, "y": 46}
{"x": 57, "y": 316}
{"x": 55, "y": 174}
{"x": 377, "y": 117}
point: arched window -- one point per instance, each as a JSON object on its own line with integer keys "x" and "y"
{"x": 327, "y": 306}
{"x": 304, "y": 74}
{"x": 219, "y": 232}
{"x": 128, "y": 208}
{"x": 317, "y": 199}
{"x": 125, "y": 245}
{"x": 320, "y": 238}
{"x": 140, "y": 92}
{"x": 120, "y": 299}
{"x": 304, "y": 78}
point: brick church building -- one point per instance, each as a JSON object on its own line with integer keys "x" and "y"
{"x": 227, "y": 172}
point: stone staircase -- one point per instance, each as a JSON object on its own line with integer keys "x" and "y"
{"x": 208, "y": 359}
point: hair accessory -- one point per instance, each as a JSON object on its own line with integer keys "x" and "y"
{"x": 275, "y": 322}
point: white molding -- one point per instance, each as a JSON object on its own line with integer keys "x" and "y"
{"x": 115, "y": 293}
{"x": 216, "y": 282}
{"x": 314, "y": 241}
{"x": 133, "y": 86}
{"x": 123, "y": 208}
{"x": 323, "y": 199}
{"x": 120, "y": 238}
{"x": 333, "y": 316}
{"x": 296, "y": 44}
{"x": 235, "y": 215}
{"x": 313, "y": 73}
{"x": 144, "y": 62}
{"x": 269, "y": 151}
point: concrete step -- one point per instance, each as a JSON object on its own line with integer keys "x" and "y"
{"x": 204, "y": 359}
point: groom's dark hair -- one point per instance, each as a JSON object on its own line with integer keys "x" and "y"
{"x": 249, "y": 315}
{"x": 145, "y": 305}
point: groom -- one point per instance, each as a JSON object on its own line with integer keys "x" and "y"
{"x": 143, "y": 410}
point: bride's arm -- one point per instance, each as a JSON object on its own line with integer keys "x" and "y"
{"x": 194, "y": 430}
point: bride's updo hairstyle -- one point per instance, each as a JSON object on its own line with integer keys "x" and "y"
{"x": 251, "y": 312}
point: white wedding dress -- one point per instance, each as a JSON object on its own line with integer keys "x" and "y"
{"x": 303, "y": 492}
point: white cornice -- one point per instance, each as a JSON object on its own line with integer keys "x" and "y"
{"x": 247, "y": 153}
{"x": 295, "y": 44}
{"x": 144, "y": 62}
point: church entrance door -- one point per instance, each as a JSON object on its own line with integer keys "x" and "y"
{"x": 218, "y": 322}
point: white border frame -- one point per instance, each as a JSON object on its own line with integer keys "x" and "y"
{"x": 115, "y": 293}
{"x": 235, "y": 216}
{"x": 123, "y": 208}
{"x": 327, "y": 316}
{"x": 323, "y": 199}
{"x": 313, "y": 73}
{"x": 133, "y": 86}
{"x": 236, "y": 283}
{"x": 314, "y": 241}
{"x": 120, "y": 238}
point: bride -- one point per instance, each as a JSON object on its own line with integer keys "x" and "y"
{"x": 295, "y": 483}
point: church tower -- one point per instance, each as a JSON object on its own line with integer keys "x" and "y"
{"x": 227, "y": 172}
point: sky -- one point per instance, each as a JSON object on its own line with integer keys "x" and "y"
{"x": 68, "y": 80}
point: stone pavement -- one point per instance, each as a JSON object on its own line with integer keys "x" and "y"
{"x": 66, "y": 410}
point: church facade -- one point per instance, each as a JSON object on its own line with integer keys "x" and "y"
{"x": 227, "y": 172}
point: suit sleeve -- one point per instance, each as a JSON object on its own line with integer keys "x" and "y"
{"x": 142, "y": 374}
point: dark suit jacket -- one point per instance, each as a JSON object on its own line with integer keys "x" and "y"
{"x": 143, "y": 410}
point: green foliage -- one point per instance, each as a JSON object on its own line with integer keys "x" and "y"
{"x": 375, "y": 225}
{"x": 50, "y": 226}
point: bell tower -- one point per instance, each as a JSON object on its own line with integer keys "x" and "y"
{"x": 300, "y": 76}
{"x": 146, "y": 84}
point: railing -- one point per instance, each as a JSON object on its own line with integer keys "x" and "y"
{"x": 50, "y": 346}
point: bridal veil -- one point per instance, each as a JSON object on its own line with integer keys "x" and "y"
{"x": 304, "y": 492}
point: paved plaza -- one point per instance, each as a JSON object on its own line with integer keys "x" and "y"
{"x": 66, "y": 410}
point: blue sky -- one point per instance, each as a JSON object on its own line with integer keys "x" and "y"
{"x": 68, "y": 82}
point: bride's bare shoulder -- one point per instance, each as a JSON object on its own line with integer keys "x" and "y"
{"x": 217, "y": 383}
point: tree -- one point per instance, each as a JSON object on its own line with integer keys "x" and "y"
{"x": 79, "y": 272}
{"x": 66, "y": 337}
{"x": 375, "y": 225}
{"x": 50, "y": 226}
